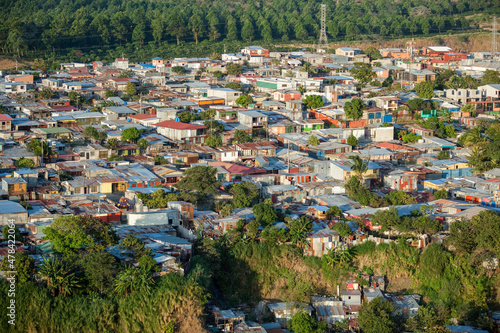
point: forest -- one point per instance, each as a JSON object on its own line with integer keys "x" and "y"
{"x": 103, "y": 29}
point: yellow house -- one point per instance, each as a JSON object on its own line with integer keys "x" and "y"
{"x": 112, "y": 185}
{"x": 435, "y": 184}
{"x": 341, "y": 170}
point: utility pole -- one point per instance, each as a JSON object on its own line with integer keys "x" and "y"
{"x": 288, "y": 154}
{"x": 323, "y": 39}
{"x": 41, "y": 144}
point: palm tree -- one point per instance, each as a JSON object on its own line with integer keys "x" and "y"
{"x": 133, "y": 280}
{"x": 473, "y": 137}
{"x": 112, "y": 143}
{"x": 339, "y": 255}
{"x": 479, "y": 161}
{"x": 358, "y": 165}
{"x": 58, "y": 276}
{"x": 299, "y": 228}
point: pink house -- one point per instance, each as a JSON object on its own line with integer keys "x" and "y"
{"x": 381, "y": 72}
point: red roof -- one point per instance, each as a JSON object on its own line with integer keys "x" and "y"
{"x": 391, "y": 146}
{"x": 142, "y": 116}
{"x": 179, "y": 125}
{"x": 64, "y": 108}
{"x": 4, "y": 117}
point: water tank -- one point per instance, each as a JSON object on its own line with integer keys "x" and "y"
{"x": 177, "y": 119}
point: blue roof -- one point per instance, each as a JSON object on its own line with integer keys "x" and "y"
{"x": 11, "y": 207}
{"x": 157, "y": 58}
{"x": 321, "y": 208}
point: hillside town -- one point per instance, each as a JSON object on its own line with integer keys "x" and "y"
{"x": 325, "y": 151}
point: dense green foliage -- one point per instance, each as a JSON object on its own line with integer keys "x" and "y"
{"x": 484, "y": 141}
{"x": 244, "y": 194}
{"x": 354, "y": 109}
{"x": 313, "y": 101}
{"x": 361, "y": 193}
{"x": 313, "y": 140}
{"x": 157, "y": 199}
{"x": 377, "y": 316}
{"x": 200, "y": 180}
{"x": 438, "y": 126}
{"x": 242, "y": 136}
{"x": 352, "y": 141}
{"x": 363, "y": 73}
{"x": 425, "y": 89}
{"x": 130, "y": 134}
{"x": 244, "y": 100}
{"x": 24, "y": 162}
{"x": 83, "y": 288}
{"x": 214, "y": 141}
{"x": 88, "y": 29}
{"x": 72, "y": 233}
{"x": 171, "y": 299}
{"x": 301, "y": 322}
{"x": 411, "y": 138}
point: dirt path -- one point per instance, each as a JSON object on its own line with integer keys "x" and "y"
{"x": 10, "y": 64}
{"x": 467, "y": 42}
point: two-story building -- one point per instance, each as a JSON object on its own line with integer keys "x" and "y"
{"x": 182, "y": 132}
{"x": 254, "y": 149}
{"x": 252, "y": 119}
{"x": 15, "y": 187}
{"x": 5, "y": 123}
{"x": 118, "y": 112}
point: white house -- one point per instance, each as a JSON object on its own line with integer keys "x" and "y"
{"x": 230, "y": 95}
{"x": 491, "y": 90}
{"x": 121, "y": 63}
{"x": 179, "y": 131}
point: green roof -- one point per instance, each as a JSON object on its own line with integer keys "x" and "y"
{"x": 45, "y": 248}
{"x": 55, "y": 130}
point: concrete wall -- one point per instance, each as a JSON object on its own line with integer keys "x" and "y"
{"x": 171, "y": 217}
{"x": 20, "y": 219}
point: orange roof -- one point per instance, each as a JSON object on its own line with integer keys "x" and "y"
{"x": 391, "y": 146}
{"x": 178, "y": 125}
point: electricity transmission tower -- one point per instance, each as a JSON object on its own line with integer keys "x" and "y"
{"x": 494, "y": 39}
{"x": 323, "y": 39}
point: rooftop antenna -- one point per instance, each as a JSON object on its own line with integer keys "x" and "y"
{"x": 323, "y": 39}
{"x": 494, "y": 39}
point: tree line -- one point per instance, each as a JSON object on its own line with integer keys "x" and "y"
{"x": 91, "y": 25}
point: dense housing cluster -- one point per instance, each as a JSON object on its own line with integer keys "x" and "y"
{"x": 268, "y": 190}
